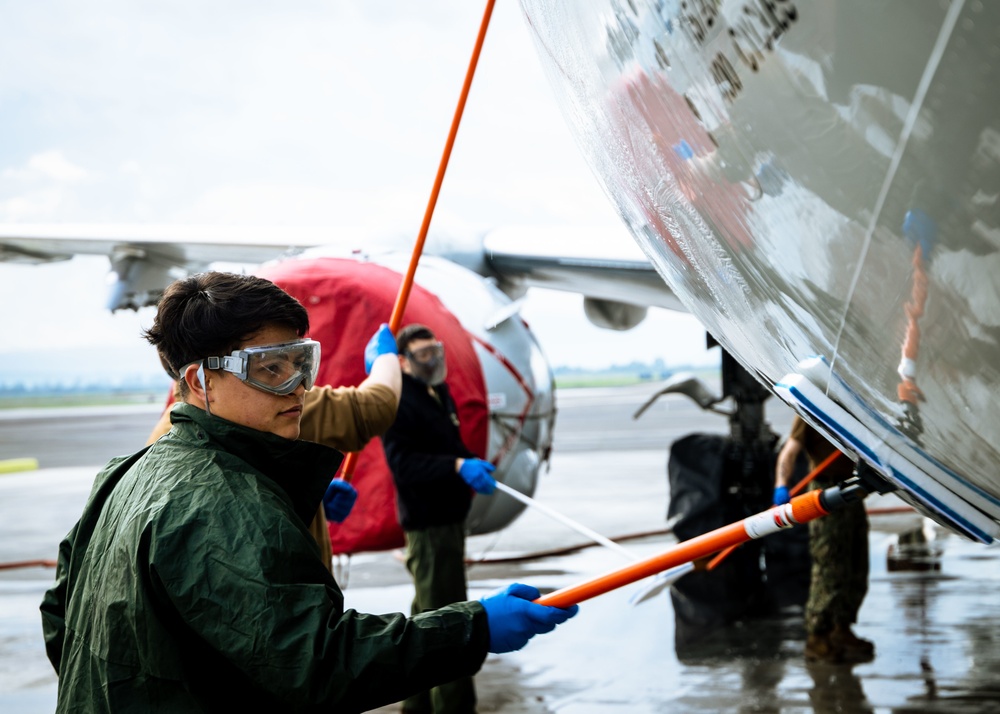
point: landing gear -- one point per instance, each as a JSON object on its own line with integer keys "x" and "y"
{"x": 715, "y": 480}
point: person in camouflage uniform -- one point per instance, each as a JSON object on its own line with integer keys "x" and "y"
{"x": 838, "y": 544}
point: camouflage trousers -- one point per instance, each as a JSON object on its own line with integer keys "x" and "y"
{"x": 838, "y": 544}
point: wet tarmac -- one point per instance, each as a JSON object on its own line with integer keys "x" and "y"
{"x": 934, "y": 630}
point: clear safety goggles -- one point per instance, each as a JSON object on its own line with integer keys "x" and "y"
{"x": 426, "y": 354}
{"x": 278, "y": 369}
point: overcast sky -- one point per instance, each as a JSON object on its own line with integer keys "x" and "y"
{"x": 306, "y": 113}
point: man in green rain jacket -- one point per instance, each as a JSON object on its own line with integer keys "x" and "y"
{"x": 191, "y": 581}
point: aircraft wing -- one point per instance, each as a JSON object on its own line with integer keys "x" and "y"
{"x": 599, "y": 262}
{"x": 182, "y": 246}
{"x": 602, "y": 263}
{"x": 147, "y": 258}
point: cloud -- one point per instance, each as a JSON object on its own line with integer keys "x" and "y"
{"x": 48, "y": 166}
{"x": 46, "y": 184}
{"x": 34, "y": 206}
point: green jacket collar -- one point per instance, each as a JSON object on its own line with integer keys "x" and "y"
{"x": 302, "y": 469}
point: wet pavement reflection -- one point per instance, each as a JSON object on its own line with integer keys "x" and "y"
{"x": 933, "y": 635}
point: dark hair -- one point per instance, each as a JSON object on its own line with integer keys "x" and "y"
{"x": 410, "y": 333}
{"x": 211, "y": 314}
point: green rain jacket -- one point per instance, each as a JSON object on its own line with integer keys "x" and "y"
{"x": 191, "y": 583}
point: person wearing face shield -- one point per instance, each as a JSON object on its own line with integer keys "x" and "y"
{"x": 191, "y": 581}
{"x": 436, "y": 476}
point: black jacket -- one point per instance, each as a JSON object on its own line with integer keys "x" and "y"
{"x": 421, "y": 447}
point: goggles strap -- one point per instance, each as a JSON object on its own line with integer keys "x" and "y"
{"x": 204, "y": 384}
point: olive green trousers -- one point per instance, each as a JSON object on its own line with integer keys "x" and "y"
{"x": 435, "y": 558}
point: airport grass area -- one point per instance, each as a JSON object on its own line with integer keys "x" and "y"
{"x": 92, "y": 395}
{"x": 625, "y": 375}
{"x": 597, "y": 379}
{"x": 80, "y": 399}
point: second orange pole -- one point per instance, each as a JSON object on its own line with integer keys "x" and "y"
{"x": 800, "y": 509}
{"x": 798, "y": 487}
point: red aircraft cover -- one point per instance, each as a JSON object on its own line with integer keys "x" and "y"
{"x": 347, "y": 301}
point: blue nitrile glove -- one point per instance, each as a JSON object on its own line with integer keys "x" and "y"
{"x": 476, "y": 473}
{"x": 339, "y": 500}
{"x": 381, "y": 343}
{"x": 513, "y": 619}
{"x": 920, "y": 229}
{"x": 781, "y": 496}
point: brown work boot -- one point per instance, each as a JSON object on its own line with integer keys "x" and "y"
{"x": 854, "y": 648}
{"x": 820, "y": 647}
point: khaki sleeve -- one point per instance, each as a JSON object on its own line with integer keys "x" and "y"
{"x": 347, "y": 418}
{"x": 163, "y": 425}
{"x": 161, "y": 428}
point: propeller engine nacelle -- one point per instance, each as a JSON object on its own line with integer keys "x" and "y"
{"x": 612, "y": 314}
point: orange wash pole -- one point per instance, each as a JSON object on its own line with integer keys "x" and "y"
{"x": 396, "y": 319}
{"x": 798, "y": 487}
{"x": 800, "y": 509}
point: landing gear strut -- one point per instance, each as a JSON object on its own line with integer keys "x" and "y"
{"x": 715, "y": 480}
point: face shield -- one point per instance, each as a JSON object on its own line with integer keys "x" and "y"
{"x": 427, "y": 364}
{"x": 278, "y": 369}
